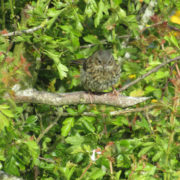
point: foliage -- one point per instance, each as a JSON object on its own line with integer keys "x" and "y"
{"x": 139, "y": 145}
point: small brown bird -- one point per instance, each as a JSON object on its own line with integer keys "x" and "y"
{"x": 100, "y": 71}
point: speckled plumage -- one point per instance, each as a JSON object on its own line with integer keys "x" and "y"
{"x": 100, "y": 71}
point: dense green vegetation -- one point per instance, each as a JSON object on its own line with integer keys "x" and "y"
{"x": 39, "y": 141}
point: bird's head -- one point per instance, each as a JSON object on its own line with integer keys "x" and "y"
{"x": 104, "y": 58}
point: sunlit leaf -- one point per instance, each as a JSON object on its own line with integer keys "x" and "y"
{"x": 97, "y": 173}
{"x": 7, "y": 112}
{"x": 75, "y": 140}
{"x": 62, "y": 69}
{"x": 11, "y": 166}
{"x": 91, "y": 39}
{"x": 137, "y": 93}
{"x": 88, "y": 125}
{"x": 99, "y": 13}
{"x": 68, "y": 123}
{"x": 144, "y": 150}
{"x": 4, "y": 121}
{"x": 33, "y": 149}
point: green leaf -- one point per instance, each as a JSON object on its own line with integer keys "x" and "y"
{"x": 31, "y": 119}
{"x": 91, "y": 7}
{"x": 62, "y": 69}
{"x": 2, "y": 155}
{"x": 45, "y": 166}
{"x": 97, "y": 173}
{"x": 137, "y": 93}
{"x": 54, "y": 14}
{"x": 157, "y": 156}
{"x": 19, "y": 39}
{"x": 68, "y": 123}
{"x": 45, "y": 143}
{"x": 89, "y": 118}
{"x": 161, "y": 75}
{"x": 4, "y": 106}
{"x": 71, "y": 111}
{"x": 91, "y": 39}
{"x": 144, "y": 150}
{"x": 33, "y": 149}
{"x": 117, "y": 2}
{"x": 88, "y": 125}
{"x": 99, "y": 15}
{"x": 75, "y": 140}
{"x": 124, "y": 143}
{"x": 118, "y": 174}
{"x": 119, "y": 121}
{"x": 79, "y": 25}
{"x": 81, "y": 108}
{"x": 67, "y": 28}
{"x": 75, "y": 41}
{"x": 68, "y": 170}
{"x": 7, "y": 112}
{"x": 10, "y": 166}
{"x": 131, "y": 19}
{"x": 53, "y": 55}
{"x": 149, "y": 89}
{"x": 157, "y": 93}
{"x": 4, "y": 121}
{"x": 174, "y": 41}
{"x": 148, "y": 144}
{"x": 144, "y": 123}
{"x": 122, "y": 13}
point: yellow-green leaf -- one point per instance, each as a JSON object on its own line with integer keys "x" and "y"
{"x": 137, "y": 93}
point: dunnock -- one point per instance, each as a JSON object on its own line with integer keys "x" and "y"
{"x": 100, "y": 71}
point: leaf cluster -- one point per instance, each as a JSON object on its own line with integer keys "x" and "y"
{"x": 45, "y": 142}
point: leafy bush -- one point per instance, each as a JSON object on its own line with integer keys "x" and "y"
{"x": 87, "y": 141}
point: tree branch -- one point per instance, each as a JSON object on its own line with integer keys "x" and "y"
{"x": 59, "y": 99}
{"x": 81, "y": 97}
{"x": 27, "y": 31}
{"x": 148, "y": 73}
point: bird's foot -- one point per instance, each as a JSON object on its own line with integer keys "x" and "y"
{"x": 90, "y": 95}
{"x": 115, "y": 92}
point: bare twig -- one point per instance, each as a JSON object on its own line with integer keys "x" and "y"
{"x": 116, "y": 113}
{"x": 174, "y": 28}
{"x": 48, "y": 128}
{"x": 111, "y": 167}
{"x": 160, "y": 23}
{"x": 153, "y": 25}
{"x": 47, "y": 160}
{"x": 84, "y": 172}
{"x": 148, "y": 73}
{"x": 27, "y": 31}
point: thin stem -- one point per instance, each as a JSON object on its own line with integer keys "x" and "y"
{"x": 48, "y": 128}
